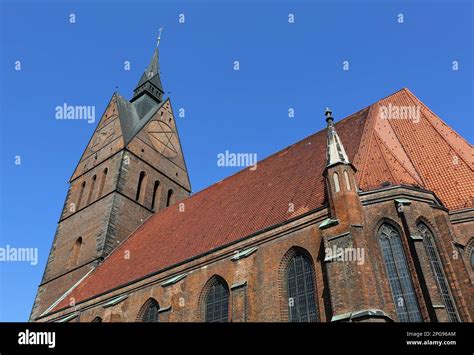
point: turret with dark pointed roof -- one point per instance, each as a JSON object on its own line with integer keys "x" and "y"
{"x": 150, "y": 82}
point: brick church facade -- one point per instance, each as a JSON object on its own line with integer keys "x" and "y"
{"x": 368, "y": 220}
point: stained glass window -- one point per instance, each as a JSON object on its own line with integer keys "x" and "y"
{"x": 398, "y": 273}
{"x": 437, "y": 268}
{"x": 217, "y": 303}
{"x": 150, "y": 315}
{"x": 301, "y": 291}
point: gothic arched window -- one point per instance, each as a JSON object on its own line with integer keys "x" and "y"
{"x": 216, "y": 302}
{"x": 437, "y": 267}
{"x": 335, "y": 177}
{"x": 398, "y": 274}
{"x": 155, "y": 202}
{"x": 346, "y": 177}
{"x": 301, "y": 290}
{"x": 141, "y": 185}
{"x": 102, "y": 182}
{"x": 149, "y": 312}
{"x": 81, "y": 193}
{"x": 91, "y": 191}
{"x": 75, "y": 252}
{"x": 169, "y": 198}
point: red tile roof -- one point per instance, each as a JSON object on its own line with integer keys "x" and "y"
{"x": 398, "y": 151}
{"x": 422, "y": 151}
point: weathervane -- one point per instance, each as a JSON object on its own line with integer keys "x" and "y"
{"x": 159, "y": 36}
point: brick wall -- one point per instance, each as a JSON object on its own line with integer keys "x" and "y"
{"x": 257, "y": 284}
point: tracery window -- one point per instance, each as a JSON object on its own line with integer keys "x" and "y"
{"x": 437, "y": 267}
{"x": 216, "y": 303}
{"x": 301, "y": 290}
{"x": 398, "y": 274}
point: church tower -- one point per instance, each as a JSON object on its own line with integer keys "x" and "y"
{"x": 132, "y": 167}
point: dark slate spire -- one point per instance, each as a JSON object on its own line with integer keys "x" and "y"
{"x": 335, "y": 149}
{"x": 150, "y": 82}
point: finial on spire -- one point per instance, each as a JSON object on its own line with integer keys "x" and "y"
{"x": 328, "y": 115}
{"x": 335, "y": 149}
{"x": 158, "y": 39}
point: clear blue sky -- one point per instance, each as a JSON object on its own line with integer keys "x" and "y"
{"x": 282, "y": 65}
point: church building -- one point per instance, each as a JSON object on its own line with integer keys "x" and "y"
{"x": 368, "y": 220}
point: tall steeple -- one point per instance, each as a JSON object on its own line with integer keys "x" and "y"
{"x": 150, "y": 82}
{"x": 335, "y": 149}
{"x": 132, "y": 167}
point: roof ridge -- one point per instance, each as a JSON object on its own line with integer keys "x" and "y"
{"x": 409, "y": 157}
{"x": 367, "y": 134}
{"x": 384, "y": 157}
{"x": 382, "y": 154}
{"x": 392, "y": 94}
{"x": 385, "y": 150}
{"x": 369, "y": 109}
{"x": 417, "y": 179}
